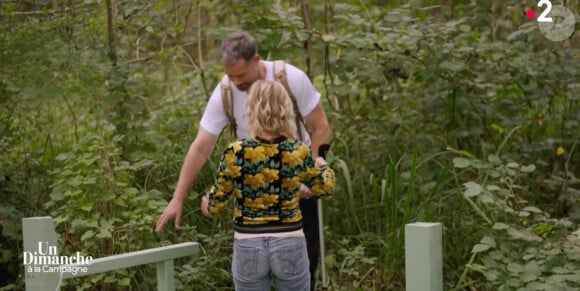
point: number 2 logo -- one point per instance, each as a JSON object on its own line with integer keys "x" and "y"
{"x": 543, "y": 17}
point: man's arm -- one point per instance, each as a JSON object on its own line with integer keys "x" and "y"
{"x": 318, "y": 128}
{"x": 195, "y": 158}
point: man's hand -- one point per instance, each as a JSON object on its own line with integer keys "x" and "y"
{"x": 172, "y": 211}
{"x": 304, "y": 192}
{"x": 204, "y": 205}
{"x": 196, "y": 157}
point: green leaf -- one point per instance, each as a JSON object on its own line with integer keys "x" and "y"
{"x": 500, "y": 226}
{"x": 561, "y": 270}
{"x": 62, "y": 157}
{"x": 532, "y": 267}
{"x": 86, "y": 206}
{"x": 478, "y": 248}
{"x": 124, "y": 282}
{"x": 516, "y": 234}
{"x": 453, "y": 66}
{"x": 572, "y": 277}
{"x": 528, "y": 257}
{"x": 108, "y": 196}
{"x": 75, "y": 181}
{"x": 104, "y": 233}
{"x": 533, "y": 209}
{"x": 489, "y": 262}
{"x": 142, "y": 163}
{"x": 56, "y": 195}
{"x": 515, "y": 268}
{"x": 492, "y": 275}
{"x": 539, "y": 286}
{"x": 461, "y": 163}
{"x": 487, "y": 240}
{"x": 328, "y": 37}
{"x": 528, "y": 277}
{"x": 472, "y": 189}
{"x": 515, "y": 34}
{"x": 528, "y": 169}
{"x": 493, "y": 159}
{"x": 76, "y": 223}
{"x": 87, "y": 235}
{"x": 513, "y": 165}
{"x": 541, "y": 229}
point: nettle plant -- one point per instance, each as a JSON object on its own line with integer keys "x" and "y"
{"x": 525, "y": 249}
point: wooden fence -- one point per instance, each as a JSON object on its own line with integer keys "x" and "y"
{"x": 423, "y": 258}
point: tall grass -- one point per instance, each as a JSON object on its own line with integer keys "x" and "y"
{"x": 374, "y": 208}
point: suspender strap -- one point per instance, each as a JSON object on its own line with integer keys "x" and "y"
{"x": 228, "y": 105}
{"x": 280, "y": 76}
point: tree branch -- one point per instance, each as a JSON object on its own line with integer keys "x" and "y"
{"x": 200, "y": 50}
{"x": 308, "y": 41}
{"x": 111, "y": 24}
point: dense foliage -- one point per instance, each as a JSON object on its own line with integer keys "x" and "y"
{"x": 453, "y": 111}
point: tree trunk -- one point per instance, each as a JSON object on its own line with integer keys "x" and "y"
{"x": 308, "y": 41}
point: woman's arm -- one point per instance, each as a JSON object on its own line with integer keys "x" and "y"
{"x": 218, "y": 195}
{"x": 320, "y": 178}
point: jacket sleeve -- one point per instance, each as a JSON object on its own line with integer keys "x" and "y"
{"x": 223, "y": 187}
{"x": 321, "y": 181}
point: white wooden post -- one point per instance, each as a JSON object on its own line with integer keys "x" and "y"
{"x": 423, "y": 257}
{"x": 38, "y": 232}
{"x": 165, "y": 276}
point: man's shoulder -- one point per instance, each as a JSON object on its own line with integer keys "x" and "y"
{"x": 292, "y": 70}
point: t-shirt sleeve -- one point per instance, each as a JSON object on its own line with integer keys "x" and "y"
{"x": 306, "y": 95}
{"x": 214, "y": 118}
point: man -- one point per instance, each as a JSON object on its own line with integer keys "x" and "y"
{"x": 243, "y": 66}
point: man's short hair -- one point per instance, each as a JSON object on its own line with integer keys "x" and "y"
{"x": 238, "y": 45}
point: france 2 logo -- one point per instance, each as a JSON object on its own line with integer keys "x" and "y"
{"x": 557, "y": 23}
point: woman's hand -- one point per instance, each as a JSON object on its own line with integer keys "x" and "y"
{"x": 204, "y": 205}
{"x": 320, "y": 162}
{"x": 304, "y": 192}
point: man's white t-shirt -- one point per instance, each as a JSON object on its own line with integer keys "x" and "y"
{"x": 214, "y": 118}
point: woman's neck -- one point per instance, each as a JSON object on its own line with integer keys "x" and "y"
{"x": 269, "y": 135}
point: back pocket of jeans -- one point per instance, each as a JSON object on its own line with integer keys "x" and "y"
{"x": 247, "y": 260}
{"x": 292, "y": 259}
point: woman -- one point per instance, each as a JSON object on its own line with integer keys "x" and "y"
{"x": 264, "y": 174}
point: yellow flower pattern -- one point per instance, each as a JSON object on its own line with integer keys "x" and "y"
{"x": 264, "y": 179}
{"x": 270, "y": 175}
{"x": 270, "y": 150}
{"x": 254, "y": 181}
{"x": 255, "y": 154}
{"x": 291, "y": 158}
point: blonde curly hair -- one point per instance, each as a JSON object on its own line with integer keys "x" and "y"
{"x": 269, "y": 110}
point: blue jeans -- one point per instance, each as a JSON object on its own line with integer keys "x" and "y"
{"x": 284, "y": 259}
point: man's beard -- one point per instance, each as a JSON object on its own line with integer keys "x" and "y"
{"x": 244, "y": 86}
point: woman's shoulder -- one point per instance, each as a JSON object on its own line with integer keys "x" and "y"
{"x": 237, "y": 145}
{"x": 293, "y": 144}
